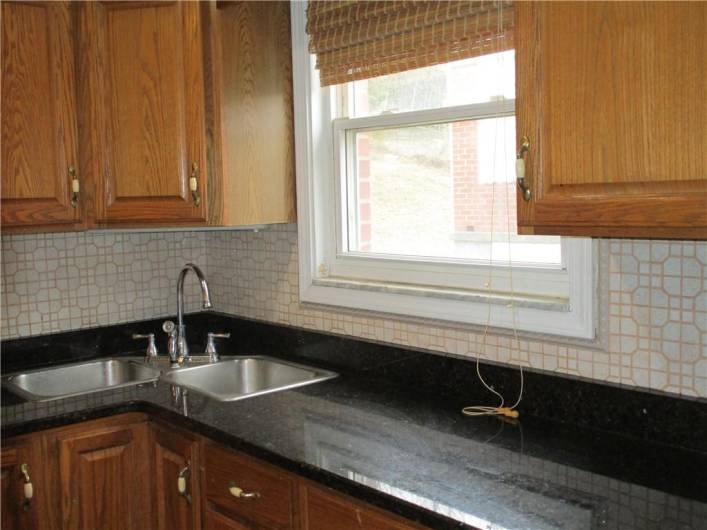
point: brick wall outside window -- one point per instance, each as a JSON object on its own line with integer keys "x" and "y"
{"x": 472, "y": 199}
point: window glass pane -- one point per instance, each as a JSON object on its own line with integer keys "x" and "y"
{"x": 439, "y": 190}
{"x": 476, "y": 80}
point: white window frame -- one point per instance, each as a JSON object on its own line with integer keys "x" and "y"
{"x": 329, "y": 276}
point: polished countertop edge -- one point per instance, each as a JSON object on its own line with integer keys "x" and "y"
{"x": 305, "y": 470}
{"x": 349, "y": 391}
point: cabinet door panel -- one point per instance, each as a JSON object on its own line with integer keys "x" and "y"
{"x": 174, "y": 453}
{"x": 39, "y": 134}
{"x": 17, "y": 512}
{"x": 253, "y": 101}
{"x": 611, "y": 95}
{"x": 145, "y": 73}
{"x": 102, "y": 478}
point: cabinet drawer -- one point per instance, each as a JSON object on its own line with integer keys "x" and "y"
{"x": 324, "y": 509}
{"x": 273, "y": 502}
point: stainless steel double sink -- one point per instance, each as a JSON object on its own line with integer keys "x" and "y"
{"x": 230, "y": 379}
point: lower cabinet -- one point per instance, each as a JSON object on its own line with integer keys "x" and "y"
{"x": 216, "y": 521}
{"x": 22, "y": 477}
{"x": 323, "y": 509}
{"x": 247, "y": 494}
{"x": 177, "y": 479}
{"x": 101, "y": 475}
{"x": 130, "y": 473}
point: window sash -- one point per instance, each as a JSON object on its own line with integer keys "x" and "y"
{"x": 442, "y": 272}
{"x": 313, "y": 110}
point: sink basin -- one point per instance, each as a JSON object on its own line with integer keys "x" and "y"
{"x": 244, "y": 377}
{"x": 79, "y": 379}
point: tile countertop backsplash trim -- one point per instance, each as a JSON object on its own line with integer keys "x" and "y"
{"x": 655, "y": 308}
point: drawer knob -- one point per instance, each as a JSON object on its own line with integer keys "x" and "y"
{"x": 240, "y": 494}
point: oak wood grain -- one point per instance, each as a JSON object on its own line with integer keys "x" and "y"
{"x": 99, "y": 475}
{"x": 323, "y": 509}
{"x": 15, "y": 516}
{"x": 120, "y": 472}
{"x": 253, "y": 115}
{"x": 142, "y": 63}
{"x": 39, "y": 131}
{"x": 173, "y": 451}
{"x": 612, "y": 95}
{"x": 216, "y": 521}
{"x": 274, "y": 509}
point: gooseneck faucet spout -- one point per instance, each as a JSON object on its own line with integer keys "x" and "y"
{"x": 182, "y": 348}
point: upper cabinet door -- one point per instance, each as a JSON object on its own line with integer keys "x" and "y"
{"x": 39, "y": 139}
{"x": 613, "y": 98}
{"x": 143, "y": 127}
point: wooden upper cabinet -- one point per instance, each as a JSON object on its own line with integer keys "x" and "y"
{"x": 39, "y": 136}
{"x": 613, "y": 97}
{"x": 253, "y": 130}
{"x": 143, "y": 130}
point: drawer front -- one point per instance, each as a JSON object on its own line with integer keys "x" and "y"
{"x": 325, "y": 510}
{"x": 250, "y": 493}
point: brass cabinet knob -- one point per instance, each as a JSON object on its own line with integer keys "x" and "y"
{"x": 28, "y": 489}
{"x": 182, "y": 483}
{"x": 194, "y": 184}
{"x": 239, "y": 493}
{"x": 520, "y": 168}
{"x": 75, "y": 186}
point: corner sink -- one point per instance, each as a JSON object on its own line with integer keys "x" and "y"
{"x": 79, "y": 379}
{"x": 244, "y": 377}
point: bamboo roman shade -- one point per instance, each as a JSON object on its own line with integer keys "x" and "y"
{"x": 358, "y": 39}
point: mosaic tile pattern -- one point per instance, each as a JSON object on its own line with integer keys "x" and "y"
{"x": 58, "y": 282}
{"x": 653, "y": 306}
{"x": 654, "y": 311}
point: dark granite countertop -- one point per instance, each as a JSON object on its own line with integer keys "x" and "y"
{"x": 396, "y": 447}
{"x": 483, "y": 472}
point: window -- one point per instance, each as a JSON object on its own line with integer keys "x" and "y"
{"x": 406, "y": 199}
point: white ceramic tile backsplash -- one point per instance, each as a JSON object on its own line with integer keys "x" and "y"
{"x": 57, "y": 282}
{"x": 654, "y": 307}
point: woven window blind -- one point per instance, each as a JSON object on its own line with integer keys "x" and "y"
{"x": 359, "y": 39}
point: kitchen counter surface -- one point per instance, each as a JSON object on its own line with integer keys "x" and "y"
{"x": 420, "y": 458}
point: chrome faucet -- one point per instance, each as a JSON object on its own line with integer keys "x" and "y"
{"x": 177, "y": 345}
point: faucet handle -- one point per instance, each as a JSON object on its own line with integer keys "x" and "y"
{"x": 211, "y": 346}
{"x": 151, "y": 351}
{"x": 171, "y": 330}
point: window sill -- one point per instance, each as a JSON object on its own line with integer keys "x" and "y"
{"x": 461, "y": 295}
